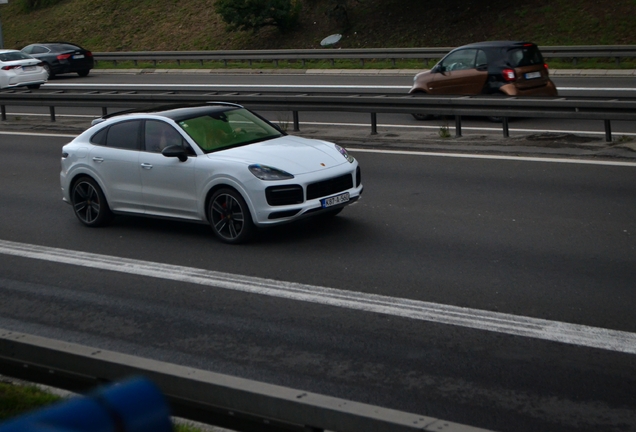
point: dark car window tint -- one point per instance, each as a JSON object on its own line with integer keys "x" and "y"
{"x": 460, "y": 60}
{"x": 124, "y": 135}
{"x": 482, "y": 60}
{"x": 159, "y": 135}
{"x": 100, "y": 137}
{"x": 526, "y": 56}
{"x": 39, "y": 50}
{"x": 13, "y": 55}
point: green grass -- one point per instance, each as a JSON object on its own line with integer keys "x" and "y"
{"x": 16, "y": 400}
{"x": 170, "y": 25}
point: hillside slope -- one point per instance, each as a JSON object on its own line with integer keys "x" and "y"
{"x": 132, "y": 25}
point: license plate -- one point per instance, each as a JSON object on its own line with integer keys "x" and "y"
{"x": 335, "y": 200}
{"x": 79, "y": 56}
{"x": 532, "y": 75}
{"x": 28, "y": 68}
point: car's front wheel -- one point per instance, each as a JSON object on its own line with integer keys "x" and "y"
{"x": 89, "y": 203}
{"x": 230, "y": 217}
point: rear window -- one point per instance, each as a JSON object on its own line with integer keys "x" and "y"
{"x": 13, "y": 55}
{"x": 525, "y": 56}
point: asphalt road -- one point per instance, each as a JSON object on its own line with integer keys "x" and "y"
{"x": 522, "y": 238}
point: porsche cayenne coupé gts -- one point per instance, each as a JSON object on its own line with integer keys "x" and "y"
{"x": 216, "y": 163}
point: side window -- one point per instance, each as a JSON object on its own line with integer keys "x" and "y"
{"x": 460, "y": 60}
{"x": 100, "y": 137}
{"x": 159, "y": 135}
{"x": 482, "y": 60}
{"x": 39, "y": 50}
{"x": 27, "y": 49}
{"x": 124, "y": 135}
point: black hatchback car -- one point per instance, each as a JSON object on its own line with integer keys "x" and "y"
{"x": 509, "y": 68}
{"x": 62, "y": 57}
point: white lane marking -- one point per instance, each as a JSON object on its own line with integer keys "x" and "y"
{"x": 366, "y": 126}
{"x": 300, "y": 86}
{"x": 39, "y": 134}
{"x": 574, "y": 334}
{"x": 496, "y": 157}
{"x": 423, "y": 153}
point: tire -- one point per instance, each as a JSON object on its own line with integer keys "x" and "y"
{"x": 47, "y": 68}
{"x": 83, "y": 73}
{"x": 230, "y": 217}
{"x": 34, "y": 86}
{"x": 422, "y": 116}
{"x": 89, "y": 203}
{"x": 418, "y": 116}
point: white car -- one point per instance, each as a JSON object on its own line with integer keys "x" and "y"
{"x": 216, "y": 163}
{"x": 18, "y": 69}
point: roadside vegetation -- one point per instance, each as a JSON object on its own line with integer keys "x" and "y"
{"x": 137, "y": 25}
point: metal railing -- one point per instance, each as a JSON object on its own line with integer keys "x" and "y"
{"x": 208, "y": 397}
{"x": 574, "y": 53}
{"x": 605, "y": 110}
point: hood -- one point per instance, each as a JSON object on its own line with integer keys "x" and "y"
{"x": 293, "y": 154}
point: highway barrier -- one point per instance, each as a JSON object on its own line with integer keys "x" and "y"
{"x": 234, "y": 403}
{"x": 504, "y": 107}
{"x": 573, "y": 53}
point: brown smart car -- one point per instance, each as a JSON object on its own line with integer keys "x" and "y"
{"x": 505, "y": 67}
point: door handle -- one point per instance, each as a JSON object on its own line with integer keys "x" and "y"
{"x": 146, "y": 166}
{"x": 98, "y": 159}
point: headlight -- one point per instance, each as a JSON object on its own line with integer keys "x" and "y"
{"x": 344, "y": 153}
{"x": 264, "y": 172}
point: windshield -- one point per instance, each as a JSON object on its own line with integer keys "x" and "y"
{"x": 232, "y": 128}
{"x": 526, "y": 56}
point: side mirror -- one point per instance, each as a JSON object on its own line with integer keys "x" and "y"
{"x": 175, "y": 151}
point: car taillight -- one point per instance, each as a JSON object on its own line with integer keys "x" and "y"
{"x": 509, "y": 74}
{"x": 88, "y": 54}
{"x": 64, "y": 57}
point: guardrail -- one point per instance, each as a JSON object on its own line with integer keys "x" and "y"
{"x": 302, "y": 55}
{"x": 208, "y": 397}
{"x": 605, "y": 110}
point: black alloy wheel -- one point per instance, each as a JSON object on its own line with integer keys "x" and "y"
{"x": 89, "y": 203}
{"x": 230, "y": 217}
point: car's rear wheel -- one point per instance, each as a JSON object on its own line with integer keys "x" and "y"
{"x": 48, "y": 70}
{"x": 230, "y": 217}
{"x": 34, "y": 86}
{"x": 419, "y": 116}
{"x": 84, "y": 72}
{"x": 89, "y": 203}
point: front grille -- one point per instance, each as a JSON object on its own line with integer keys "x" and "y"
{"x": 329, "y": 187}
{"x": 284, "y": 195}
{"x": 358, "y": 177}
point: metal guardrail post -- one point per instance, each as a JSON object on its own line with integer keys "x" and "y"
{"x": 52, "y": 113}
{"x": 374, "y": 123}
{"x": 296, "y": 121}
{"x": 3, "y": 108}
{"x": 608, "y": 130}
{"x": 506, "y": 130}
{"x": 458, "y": 126}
